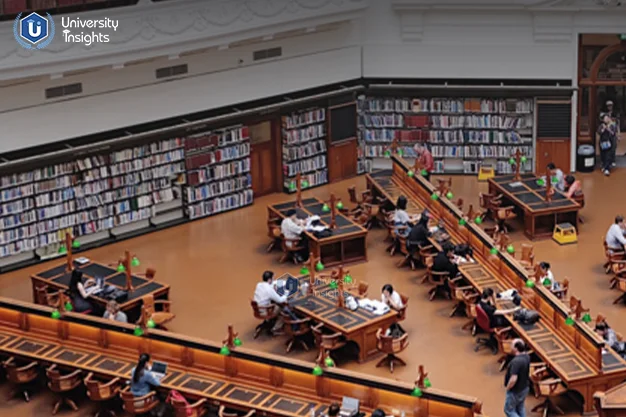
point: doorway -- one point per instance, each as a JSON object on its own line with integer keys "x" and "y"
{"x": 263, "y": 158}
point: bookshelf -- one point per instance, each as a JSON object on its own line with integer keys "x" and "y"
{"x": 304, "y": 148}
{"x": 462, "y": 133}
{"x": 218, "y": 172}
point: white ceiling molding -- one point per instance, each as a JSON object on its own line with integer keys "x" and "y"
{"x": 498, "y": 5}
{"x": 553, "y": 27}
{"x": 171, "y": 28}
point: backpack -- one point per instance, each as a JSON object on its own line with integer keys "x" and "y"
{"x": 175, "y": 396}
{"x": 525, "y": 316}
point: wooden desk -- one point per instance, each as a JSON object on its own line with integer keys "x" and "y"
{"x": 611, "y": 403}
{"x": 59, "y": 278}
{"x": 358, "y": 326}
{"x": 347, "y": 243}
{"x": 508, "y": 273}
{"x": 244, "y": 380}
{"x": 529, "y": 197}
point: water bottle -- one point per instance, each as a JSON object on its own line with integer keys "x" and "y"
{"x": 312, "y": 413}
{"x": 304, "y": 289}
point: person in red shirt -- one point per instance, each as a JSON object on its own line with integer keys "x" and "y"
{"x": 425, "y": 159}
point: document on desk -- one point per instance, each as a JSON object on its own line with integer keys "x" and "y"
{"x": 374, "y": 306}
{"x": 516, "y": 184}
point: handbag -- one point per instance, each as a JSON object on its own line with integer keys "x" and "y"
{"x": 175, "y": 396}
{"x": 605, "y": 145}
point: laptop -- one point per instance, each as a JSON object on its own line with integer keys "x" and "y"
{"x": 159, "y": 369}
{"x": 349, "y": 407}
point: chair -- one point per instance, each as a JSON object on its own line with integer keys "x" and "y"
{"x": 469, "y": 299}
{"x": 185, "y": 409}
{"x": 297, "y": 330}
{"x": 273, "y": 232}
{"x": 489, "y": 203}
{"x": 458, "y": 294}
{"x": 290, "y": 248}
{"x": 505, "y": 338}
{"x": 621, "y": 285}
{"x": 528, "y": 256}
{"x": 268, "y": 315}
{"x": 149, "y": 312}
{"x": 612, "y": 256}
{"x": 482, "y": 322}
{"x": 62, "y": 386}
{"x": 46, "y": 298}
{"x": 223, "y": 413}
{"x": 402, "y": 311}
{"x": 437, "y": 279}
{"x": 561, "y": 292}
{"x": 580, "y": 199}
{"x": 391, "y": 347}
{"x": 21, "y": 376}
{"x": 102, "y": 392}
{"x": 503, "y": 215}
{"x": 328, "y": 341}
{"x": 547, "y": 388}
{"x": 363, "y": 289}
{"x": 138, "y": 405}
{"x": 619, "y": 272}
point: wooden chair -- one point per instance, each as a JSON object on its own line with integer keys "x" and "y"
{"x": 328, "y": 341}
{"x": 149, "y": 274}
{"x": 561, "y": 292}
{"x": 160, "y": 317}
{"x": 619, "y": 272}
{"x": 503, "y": 215}
{"x": 223, "y": 413}
{"x": 436, "y": 279}
{"x": 546, "y": 387}
{"x": 268, "y": 315}
{"x": 580, "y": 199}
{"x": 138, "y": 405}
{"x": 44, "y": 297}
{"x": 185, "y": 409}
{"x": 363, "y": 289}
{"x": 527, "y": 259}
{"x": 469, "y": 299}
{"x": 273, "y": 232}
{"x": 489, "y": 203}
{"x": 611, "y": 256}
{"x": 22, "y": 377}
{"x": 391, "y": 346}
{"x": 63, "y": 386}
{"x": 458, "y": 292}
{"x": 290, "y": 248}
{"x": 504, "y": 338}
{"x": 102, "y": 392}
{"x": 621, "y": 285}
{"x": 297, "y": 330}
{"x": 405, "y": 305}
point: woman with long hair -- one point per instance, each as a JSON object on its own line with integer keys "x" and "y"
{"x": 143, "y": 380}
{"x": 78, "y": 294}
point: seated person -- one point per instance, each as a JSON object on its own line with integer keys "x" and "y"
{"x": 293, "y": 228}
{"x": 114, "y": 313}
{"x": 558, "y": 174}
{"x": 314, "y": 225}
{"x": 79, "y": 293}
{"x": 487, "y": 303}
{"x": 610, "y": 338}
{"x": 615, "y": 239}
{"x": 142, "y": 379}
{"x": 463, "y": 254}
{"x": 401, "y": 218}
{"x": 546, "y": 277}
{"x": 419, "y": 234}
{"x": 443, "y": 261}
{"x": 391, "y": 297}
{"x": 378, "y": 413}
{"x": 265, "y": 294}
{"x": 333, "y": 410}
{"x": 573, "y": 187}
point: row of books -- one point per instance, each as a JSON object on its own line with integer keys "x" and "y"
{"x": 312, "y": 178}
{"x": 216, "y": 138}
{"x": 304, "y": 134}
{"x": 54, "y": 197}
{"x": 218, "y": 205}
{"x": 133, "y": 204}
{"x": 304, "y": 151}
{"x": 476, "y": 136}
{"x": 378, "y": 151}
{"x": 305, "y": 165}
{"x": 486, "y": 121}
{"x": 16, "y": 207}
{"x": 217, "y": 172}
{"x": 219, "y": 188}
{"x": 304, "y": 118}
{"x": 146, "y": 152}
{"x": 216, "y": 156}
{"x": 18, "y": 246}
{"x": 147, "y": 162}
{"x": 381, "y": 120}
{"x": 479, "y": 151}
{"x": 445, "y": 105}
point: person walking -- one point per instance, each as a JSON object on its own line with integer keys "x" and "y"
{"x": 615, "y": 118}
{"x": 516, "y": 381}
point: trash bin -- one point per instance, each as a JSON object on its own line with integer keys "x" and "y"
{"x": 585, "y": 158}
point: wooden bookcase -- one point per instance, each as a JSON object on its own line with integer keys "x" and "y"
{"x": 462, "y": 132}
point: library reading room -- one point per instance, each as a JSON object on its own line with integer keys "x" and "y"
{"x": 313, "y": 208}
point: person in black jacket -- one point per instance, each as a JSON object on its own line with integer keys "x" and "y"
{"x": 418, "y": 236}
{"x": 443, "y": 263}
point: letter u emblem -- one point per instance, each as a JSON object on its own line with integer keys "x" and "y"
{"x": 32, "y": 30}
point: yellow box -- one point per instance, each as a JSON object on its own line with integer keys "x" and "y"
{"x": 486, "y": 172}
{"x": 564, "y": 234}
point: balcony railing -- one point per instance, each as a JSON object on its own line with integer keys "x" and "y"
{"x": 9, "y": 9}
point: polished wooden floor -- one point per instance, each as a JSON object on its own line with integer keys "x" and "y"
{"x": 214, "y": 264}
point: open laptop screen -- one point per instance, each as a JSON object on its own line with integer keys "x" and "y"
{"x": 159, "y": 367}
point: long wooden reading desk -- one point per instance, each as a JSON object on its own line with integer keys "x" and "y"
{"x": 244, "y": 379}
{"x": 347, "y": 243}
{"x": 575, "y": 352}
{"x": 529, "y": 197}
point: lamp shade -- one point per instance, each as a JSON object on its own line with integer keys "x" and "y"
{"x": 76, "y": 244}
{"x": 121, "y": 267}
{"x": 319, "y": 266}
{"x": 134, "y": 261}
{"x": 317, "y": 371}
{"x": 449, "y": 195}
{"x": 237, "y": 341}
{"x": 410, "y": 173}
{"x": 225, "y": 350}
{"x": 478, "y": 220}
{"x": 62, "y": 250}
{"x": 55, "y": 314}
{"x": 304, "y": 183}
{"x": 150, "y": 324}
{"x": 417, "y": 392}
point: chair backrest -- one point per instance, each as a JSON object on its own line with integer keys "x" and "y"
{"x": 405, "y": 304}
{"x": 46, "y": 298}
{"x": 482, "y": 319}
{"x": 389, "y": 344}
{"x": 352, "y": 194}
{"x": 150, "y": 273}
{"x": 528, "y": 253}
{"x": 263, "y": 313}
{"x": 20, "y": 374}
{"x": 137, "y": 405}
{"x": 62, "y": 383}
{"x": 363, "y": 287}
{"x": 99, "y": 390}
{"x": 327, "y": 341}
{"x": 621, "y": 284}
{"x": 296, "y": 327}
{"x": 459, "y": 203}
{"x": 148, "y": 304}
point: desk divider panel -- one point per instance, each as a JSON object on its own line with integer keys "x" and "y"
{"x": 244, "y": 379}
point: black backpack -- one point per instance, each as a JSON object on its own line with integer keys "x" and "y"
{"x": 525, "y": 316}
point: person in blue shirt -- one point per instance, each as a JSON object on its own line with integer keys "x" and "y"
{"x": 143, "y": 380}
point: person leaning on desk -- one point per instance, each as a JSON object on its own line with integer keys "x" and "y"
{"x": 496, "y": 316}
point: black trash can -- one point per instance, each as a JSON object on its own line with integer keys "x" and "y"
{"x": 585, "y": 158}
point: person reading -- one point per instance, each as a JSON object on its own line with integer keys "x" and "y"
{"x": 615, "y": 239}
{"x": 401, "y": 219}
{"x": 546, "y": 277}
{"x": 496, "y": 316}
{"x": 80, "y": 293}
{"x": 610, "y": 337}
{"x": 114, "y": 313}
{"x": 573, "y": 187}
{"x": 391, "y": 297}
{"x": 143, "y": 381}
{"x": 265, "y": 294}
{"x": 557, "y": 174}
{"x": 292, "y": 229}
{"x": 419, "y": 234}
{"x": 442, "y": 262}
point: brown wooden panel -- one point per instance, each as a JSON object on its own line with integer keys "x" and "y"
{"x": 342, "y": 160}
{"x": 555, "y": 150}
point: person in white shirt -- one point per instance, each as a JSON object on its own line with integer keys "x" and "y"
{"x": 615, "y": 239}
{"x": 265, "y": 294}
{"x": 292, "y": 228}
{"x": 401, "y": 218}
{"x": 547, "y": 278}
{"x": 558, "y": 174}
{"x": 391, "y": 297}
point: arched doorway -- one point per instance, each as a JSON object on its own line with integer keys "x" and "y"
{"x": 602, "y": 77}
